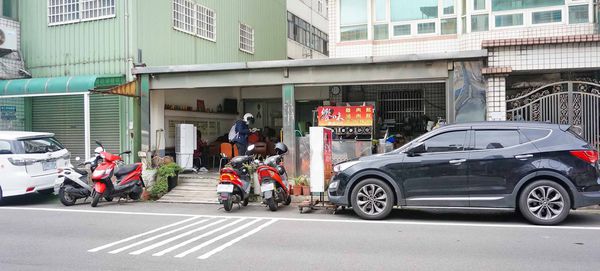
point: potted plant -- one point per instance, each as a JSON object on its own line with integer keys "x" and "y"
{"x": 303, "y": 182}
{"x": 170, "y": 173}
{"x": 298, "y": 182}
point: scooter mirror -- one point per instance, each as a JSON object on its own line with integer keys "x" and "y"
{"x": 77, "y": 158}
{"x": 250, "y": 149}
{"x": 99, "y": 143}
{"x": 98, "y": 150}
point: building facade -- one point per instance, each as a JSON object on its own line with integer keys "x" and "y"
{"x": 307, "y": 29}
{"x": 542, "y": 58}
{"x": 106, "y": 39}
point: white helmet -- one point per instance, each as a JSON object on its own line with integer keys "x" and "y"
{"x": 248, "y": 118}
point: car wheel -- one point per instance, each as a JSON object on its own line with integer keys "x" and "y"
{"x": 372, "y": 199}
{"x": 65, "y": 198}
{"x": 544, "y": 203}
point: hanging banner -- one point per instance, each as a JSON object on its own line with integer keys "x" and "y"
{"x": 330, "y": 116}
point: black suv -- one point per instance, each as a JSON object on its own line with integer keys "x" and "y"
{"x": 541, "y": 169}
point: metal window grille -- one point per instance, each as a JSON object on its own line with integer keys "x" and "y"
{"x": 72, "y": 11}
{"x": 194, "y": 19}
{"x": 246, "y": 38}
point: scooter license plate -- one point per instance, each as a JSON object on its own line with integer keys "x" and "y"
{"x": 267, "y": 187}
{"x": 228, "y": 188}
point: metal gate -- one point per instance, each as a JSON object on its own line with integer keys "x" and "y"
{"x": 568, "y": 102}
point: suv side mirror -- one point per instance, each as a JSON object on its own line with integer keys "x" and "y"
{"x": 419, "y": 148}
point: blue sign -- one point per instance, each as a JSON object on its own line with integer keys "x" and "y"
{"x": 8, "y": 112}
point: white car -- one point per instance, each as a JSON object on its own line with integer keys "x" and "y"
{"x": 29, "y": 162}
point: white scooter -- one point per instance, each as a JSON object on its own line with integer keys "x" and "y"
{"x": 73, "y": 183}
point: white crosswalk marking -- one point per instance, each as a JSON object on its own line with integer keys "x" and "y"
{"x": 185, "y": 237}
{"x": 195, "y": 239}
{"x": 228, "y": 244}
{"x": 153, "y": 246}
{"x": 140, "y": 235}
{"x": 156, "y": 237}
{"x": 194, "y": 249}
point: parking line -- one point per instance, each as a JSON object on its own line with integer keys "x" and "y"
{"x": 237, "y": 239}
{"x": 349, "y": 221}
{"x": 160, "y": 253}
{"x": 153, "y": 246}
{"x": 196, "y": 248}
{"x": 156, "y": 237}
{"x": 140, "y": 235}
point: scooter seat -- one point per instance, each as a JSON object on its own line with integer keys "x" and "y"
{"x": 126, "y": 169}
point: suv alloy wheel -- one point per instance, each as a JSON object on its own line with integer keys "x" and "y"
{"x": 372, "y": 199}
{"x": 544, "y": 203}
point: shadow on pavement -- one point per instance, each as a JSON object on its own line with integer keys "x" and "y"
{"x": 29, "y": 199}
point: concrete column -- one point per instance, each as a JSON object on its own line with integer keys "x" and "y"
{"x": 87, "y": 126}
{"x": 496, "y": 98}
{"x": 289, "y": 128}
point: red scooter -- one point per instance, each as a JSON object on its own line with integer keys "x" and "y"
{"x": 235, "y": 181}
{"x": 273, "y": 181}
{"x": 129, "y": 178}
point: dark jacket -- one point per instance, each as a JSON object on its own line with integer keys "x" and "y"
{"x": 243, "y": 131}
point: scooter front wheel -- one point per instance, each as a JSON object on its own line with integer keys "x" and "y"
{"x": 288, "y": 200}
{"x": 245, "y": 202}
{"x": 96, "y": 199}
{"x": 65, "y": 198}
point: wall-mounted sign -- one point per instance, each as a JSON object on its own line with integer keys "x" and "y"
{"x": 330, "y": 116}
{"x": 8, "y": 112}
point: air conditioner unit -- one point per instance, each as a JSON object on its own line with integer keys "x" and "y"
{"x": 8, "y": 38}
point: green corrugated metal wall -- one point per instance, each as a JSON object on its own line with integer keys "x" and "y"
{"x": 63, "y": 116}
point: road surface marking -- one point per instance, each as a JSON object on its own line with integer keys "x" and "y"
{"x": 353, "y": 221}
{"x": 196, "y": 238}
{"x": 161, "y": 243}
{"x": 142, "y": 234}
{"x": 156, "y": 237}
{"x": 196, "y": 248}
{"x": 228, "y": 244}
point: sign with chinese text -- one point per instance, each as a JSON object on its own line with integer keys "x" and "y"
{"x": 330, "y": 116}
{"x": 8, "y": 112}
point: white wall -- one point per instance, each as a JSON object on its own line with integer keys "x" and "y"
{"x": 307, "y": 10}
{"x": 274, "y": 92}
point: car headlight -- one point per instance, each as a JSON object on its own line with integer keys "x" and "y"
{"x": 343, "y": 166}
{"x": 334, "y": 185}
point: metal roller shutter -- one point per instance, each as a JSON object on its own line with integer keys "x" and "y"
{"x": 63, "y": 116}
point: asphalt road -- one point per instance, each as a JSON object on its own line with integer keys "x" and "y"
{"x": 38, "y": 233}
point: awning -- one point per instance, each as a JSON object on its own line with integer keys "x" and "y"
{"x": 58, "y": 85}
{"x": 128, "y": 89}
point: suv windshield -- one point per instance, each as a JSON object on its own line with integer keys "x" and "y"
{"x": 41, "y": 145}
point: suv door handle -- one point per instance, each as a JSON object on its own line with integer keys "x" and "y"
{"x": 458, "y": 161}
{"x": 523, "y": 156}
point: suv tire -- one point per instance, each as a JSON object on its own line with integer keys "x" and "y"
{"x": 544, "y": 202}
{"x": 372, "y": 199}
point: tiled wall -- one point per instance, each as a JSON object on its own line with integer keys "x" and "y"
{"x": 496, "y": 98}
{"x": 547, "y": 56}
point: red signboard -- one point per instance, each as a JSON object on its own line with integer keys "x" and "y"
{"x": 330, "y": 116}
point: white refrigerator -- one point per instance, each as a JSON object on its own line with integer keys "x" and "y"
{"x": 185, "y": 145}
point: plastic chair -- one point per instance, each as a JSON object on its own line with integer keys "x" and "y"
{"x": 226, "y": 153}
{"x": 260, "y": 148}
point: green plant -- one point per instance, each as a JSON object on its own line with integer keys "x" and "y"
{"x": 164, "y": 172}
{"x": 301, "y": 180}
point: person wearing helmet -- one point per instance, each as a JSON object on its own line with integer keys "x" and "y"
{"x": 242, "y": 130}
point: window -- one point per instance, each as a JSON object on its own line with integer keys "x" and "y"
{"x": 500, "y": 5}
{"x": 448, "y": 7}
{"x": 578, "y": 14}
{"x": 307, "y": 35}
{"x": 449, "y": 26}
{"x": 407, "y": 10}
{"x": 451, "y": 141}
{"x": 509, "y": 20}
{"x": 246, "y": 38}
{"x": 402, "y": 30}
{"x": 496, "y": 139}
{"x": 535, "y": 134}
{"x": 479, "y": 4}
{"x": 480, "y": 23}
{"x": 353, "y": 20}
{"x": 5, "y": 147}
{"x": 380, "y": 32}
{"x": 380, "y": 10}
{"x": 194, "y": 19}
{"x": 546, "y": 17}
{"x": 72, "y": 11}
{"x": 426, "y": 28}
{"x": 41, "y": 145}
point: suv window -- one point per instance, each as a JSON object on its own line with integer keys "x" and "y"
{"x": 5, "y": 147}
{"x": 41, "y": 145}
{"x": 535, "y": 134}
{"x": 496, "y": 139}
{"x": 451, "y": 141}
